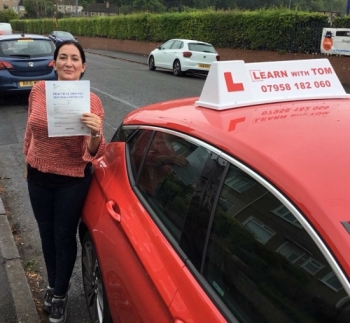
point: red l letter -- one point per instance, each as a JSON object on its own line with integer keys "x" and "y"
{"x": 232, "y": 87}
{"x": 234, "y": 122}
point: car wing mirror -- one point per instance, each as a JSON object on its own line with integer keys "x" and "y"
{"x": 159, "y": 47}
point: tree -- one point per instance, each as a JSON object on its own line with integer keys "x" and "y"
{"x": 7, "y": 15}
{"x": 39, "y": 8}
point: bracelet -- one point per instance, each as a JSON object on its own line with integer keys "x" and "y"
{"x": 97, "y": 135}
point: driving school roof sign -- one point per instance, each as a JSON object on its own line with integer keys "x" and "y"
{"x": 233, "y": 84}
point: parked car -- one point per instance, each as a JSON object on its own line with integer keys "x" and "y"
{"x": 5, "y": 28}
{"x": 58, "y": 36}
{"x": 230, "y": 207}
{"x": 25, "y": 60}
{"x": 183, "y": 56}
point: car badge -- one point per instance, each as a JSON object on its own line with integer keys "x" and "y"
{"x": 30, "y": 64}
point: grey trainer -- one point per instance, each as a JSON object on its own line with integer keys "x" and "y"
{"x": 48, "y": 299}
{"x": 58, "y": 310}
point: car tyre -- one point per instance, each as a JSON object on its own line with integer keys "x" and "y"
{"x": 94, "y": 289}
{"x": 151, "y": 65}
{"x": 177, "y": 68}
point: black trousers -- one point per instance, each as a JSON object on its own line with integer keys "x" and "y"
{"x": 57, "y": 211}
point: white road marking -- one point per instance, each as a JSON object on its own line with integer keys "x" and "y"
{"x": 115, "y": 98}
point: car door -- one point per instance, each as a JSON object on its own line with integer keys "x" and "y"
{"x": 180, "y": 193}
{"x": 171, "y": 180}
{"x": 173, "y": 53}
{"x": 256, "y": 258}
{"x": 130, "y": 250}
{"x": 161, "y": 55}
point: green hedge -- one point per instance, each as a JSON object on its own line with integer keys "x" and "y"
{"x": 273, "y": 29}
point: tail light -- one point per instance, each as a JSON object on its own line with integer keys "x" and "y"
{"x": 5, "y": 65}
{"x": 51, "y": 64}
{"x": 187, "y": 54}
{"x": 217, "y": 57}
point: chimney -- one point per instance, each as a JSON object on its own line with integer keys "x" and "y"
{"x": 107, "y": 4}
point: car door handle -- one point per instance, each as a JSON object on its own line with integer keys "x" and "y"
{"x": 111, "y": 206}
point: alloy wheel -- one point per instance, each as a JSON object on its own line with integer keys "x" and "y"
{"x": 92, "y": 282}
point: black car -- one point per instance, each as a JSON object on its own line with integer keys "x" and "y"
{"x": 58, "y": 36}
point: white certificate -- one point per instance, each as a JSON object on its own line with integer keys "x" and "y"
{"x": 66, "y": 101}
{"x": 190, "y": 173}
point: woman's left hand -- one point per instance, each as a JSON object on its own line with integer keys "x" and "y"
{"x": 92, "y": 121}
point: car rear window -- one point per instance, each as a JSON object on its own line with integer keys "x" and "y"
{"x": 201, "y": 48}
{"x": 31, "y": 47}
{"x": 64, "y": 34}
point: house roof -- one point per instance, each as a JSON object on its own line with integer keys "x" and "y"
{"x": 101, "y": 7}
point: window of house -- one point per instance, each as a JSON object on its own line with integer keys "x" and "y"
{"x": 261, "y": 231}
{"x": 285, "y": 214}
{"x": 312, "y": 266}
{"x": 291, "y": 252}
{"x": 238, "y": 181}
{"x": 332, "y": 281}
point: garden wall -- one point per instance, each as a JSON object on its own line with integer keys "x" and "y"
{"x": 341, "y": 64}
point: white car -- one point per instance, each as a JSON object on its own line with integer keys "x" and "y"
{"x": 183, "y": 56}
{"x": 5, "y": 28}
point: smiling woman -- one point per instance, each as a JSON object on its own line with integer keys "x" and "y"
{"x": 58, "y": 171}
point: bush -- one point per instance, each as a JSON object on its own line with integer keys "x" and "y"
{"x": 280, "y": 30}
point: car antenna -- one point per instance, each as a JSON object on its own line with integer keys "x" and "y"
{"x": 22, "y": 30}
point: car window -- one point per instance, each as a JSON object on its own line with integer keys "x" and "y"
{"x": 170, "y": 176}
{"x": 177, "y": 44}
{"x": 198, "y": 47}
{"x": 167, "y": 45}
{"x": 260, "y": 260}
{"x": 64, "y": 34}
{"x": 31, "y": 47}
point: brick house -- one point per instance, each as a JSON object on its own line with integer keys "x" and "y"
{"x": 101, "y": 9}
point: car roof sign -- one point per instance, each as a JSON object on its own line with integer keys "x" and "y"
{"x": 233, "y": 84}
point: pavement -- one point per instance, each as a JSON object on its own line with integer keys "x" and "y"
{"x": 135, "y": 58}
{"x": 17, "y": 304}
{"x": 16, "y": 300}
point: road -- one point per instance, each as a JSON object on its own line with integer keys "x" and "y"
{"x": 122, "y": 86}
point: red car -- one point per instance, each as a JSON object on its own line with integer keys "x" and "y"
{"x": 231, "y": 207}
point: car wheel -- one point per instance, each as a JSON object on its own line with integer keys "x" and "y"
{"x": 151, "y": 65}
{"x": 177, "y": 68}
{"x": 93, "y": 284}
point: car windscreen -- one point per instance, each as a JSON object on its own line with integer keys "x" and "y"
{"x": 26, "y": 47}
{"x": 196, "y": 47}
{"x": 64, "y": 34}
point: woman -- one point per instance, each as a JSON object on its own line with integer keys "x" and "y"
{"x": 58, "y": 171}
